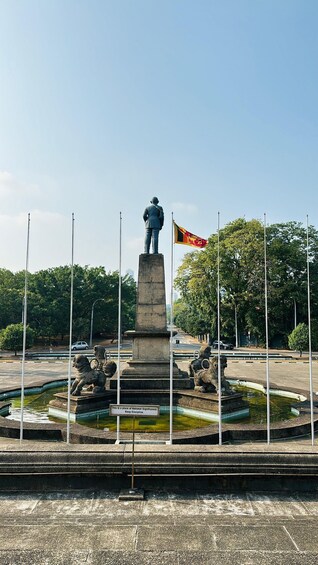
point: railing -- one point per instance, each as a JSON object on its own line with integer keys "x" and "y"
{"x": 191, "y": 354}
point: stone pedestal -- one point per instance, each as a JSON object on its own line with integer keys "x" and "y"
{"x": 149, "y": 367}
{"x": 84, "y": 407}
{"x": 200, "y": 404}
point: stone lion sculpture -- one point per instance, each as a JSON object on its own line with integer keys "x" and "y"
{"x": 101, "y": 361}
{"x": 205, "y": 372}
{"x": 90, "y": 377}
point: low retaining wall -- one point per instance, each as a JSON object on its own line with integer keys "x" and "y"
{"x": 300, "y": 426}
{"x": 46, "y": 467}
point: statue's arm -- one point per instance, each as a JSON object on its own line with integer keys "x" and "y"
{"x": 145, "y": 215}
{"x": 161, "y": 217}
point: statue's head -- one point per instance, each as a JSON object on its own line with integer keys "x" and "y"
{"x": 205, "y": 351}
{"x": 154, "y": 200}
{"x": 100, "y": 352}
{"x": 223, "y": 361}
{"x": 81, "y": 362}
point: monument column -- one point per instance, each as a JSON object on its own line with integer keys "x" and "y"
{"x": 151, "y": 339}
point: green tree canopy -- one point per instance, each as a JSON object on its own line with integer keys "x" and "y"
{"x": 298, "y": 339}
{"x": 49, "y": 301}
{"x": 11, "y": 338}
{"x": 242, "y": 279}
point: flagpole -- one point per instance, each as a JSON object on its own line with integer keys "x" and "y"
{"x": 268, "y": 417}
{"x": 119, "y": 325}
{"x": 171, "y": 332}
{"x": 70, "y": 340}
{"x": 24, "y": 325}
{"x": 219, "y": 337}
{"x": 309, "y": 339}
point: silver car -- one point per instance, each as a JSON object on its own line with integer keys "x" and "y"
{"x": 79, "y": 345}
{"x": 223, "y": 345}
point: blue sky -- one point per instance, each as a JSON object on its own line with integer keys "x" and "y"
{"x": 209, "y": 105}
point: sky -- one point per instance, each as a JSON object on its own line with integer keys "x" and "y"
{"x": 210, "y": 105}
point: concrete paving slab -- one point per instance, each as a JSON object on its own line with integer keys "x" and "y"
{"x": 111, "y": 507}
{"x": 306, "y": 539}
{"x": 270, "y": 505}
{"x": 261, "y": 538}
{"x": 43, "y": 557}
{"x": 155, "y": 558}
{"x": 21, "y": 504}
{"x": 247, "y": 558}
{"x": 183, "y": 508}
{"x": 65, "y": 503}
{"x": 310, "y": 503}
{"x": 136, "y": 558}
{"x": 179, "y": 538}
{"x": 230, "y": 504}
{"x": 68, "y": 537}
{"x": 35, "y": 533}
{"x": 157, "y": 507}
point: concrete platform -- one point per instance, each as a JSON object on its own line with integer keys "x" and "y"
{"x": 50, "y": 465}
{"x": 228, "y": 515}
{"x": 168, "y": 528}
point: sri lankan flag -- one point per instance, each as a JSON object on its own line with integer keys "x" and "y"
{"x": 187, "y": 238}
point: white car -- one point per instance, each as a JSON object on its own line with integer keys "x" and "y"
{"x": 79, "y": 345}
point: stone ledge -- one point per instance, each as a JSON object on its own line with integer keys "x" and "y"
{"x": 166, "y": 461}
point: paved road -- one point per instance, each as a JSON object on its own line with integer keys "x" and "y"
{"x": 87, "y": 527}
{"x": 290, "y": 373}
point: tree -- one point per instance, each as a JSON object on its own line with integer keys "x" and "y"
{"x": 49, "y": 301}
{"x": 11, "y": 338}
{"x": 11, "y": 297}
{"x": 240, "y": 285}
{"x": 242, "y": 280}
{"x": 299, "y": 338}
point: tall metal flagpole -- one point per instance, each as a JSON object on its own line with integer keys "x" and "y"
{"x": 171, "y": 332}
{"x": 119, "y": 326}
{"x": 266, "y": 337}
{"x": 70, "y": 340}
{"x": 24, "y": 326}
{"x": 309, "y": 339}
{"x": 219, "y": 337}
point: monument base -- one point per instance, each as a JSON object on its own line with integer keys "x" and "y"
{"x": 149, "y": 369}
{"x": 151, "y": 375}
{"x": 182, "y": 383}
{"x": 202, "y": 404}
{"x": 84, "y": 407}
{"x": 190, "y": 402}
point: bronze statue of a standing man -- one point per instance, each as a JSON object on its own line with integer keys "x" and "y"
{"x": 153, "y": 217}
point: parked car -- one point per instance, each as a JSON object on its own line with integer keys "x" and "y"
{"x": 79, "y": 345}
{"x": 223, "y": 345}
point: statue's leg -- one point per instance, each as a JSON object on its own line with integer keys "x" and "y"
{"x": 74, "y": 385}
{"x": 147, "y": 239}
{"x": 77, "y": 391}
{"x": 155, "y": 238}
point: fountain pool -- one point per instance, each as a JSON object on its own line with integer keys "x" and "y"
{"x": 284, "y": 406}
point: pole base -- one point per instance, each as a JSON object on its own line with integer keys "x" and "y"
{"x": 132, "y": 494}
